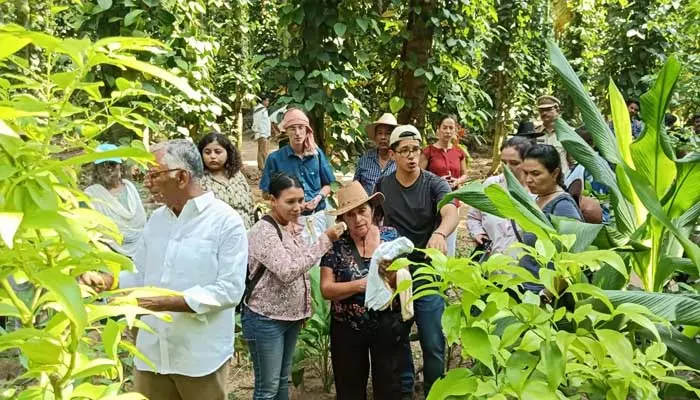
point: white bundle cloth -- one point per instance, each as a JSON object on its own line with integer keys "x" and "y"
{"x": 378, "y": 292}
{"x": 130, "y": 219}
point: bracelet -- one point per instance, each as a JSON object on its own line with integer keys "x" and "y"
{"x": 440, "y": 233}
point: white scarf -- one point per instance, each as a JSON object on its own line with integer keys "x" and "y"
{"x": 130, "y": 219}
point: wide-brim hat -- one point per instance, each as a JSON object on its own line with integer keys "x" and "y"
{"x": 386, "y": 119}
{"x": 526, "y": 128}
{"x": 354, "y": 195}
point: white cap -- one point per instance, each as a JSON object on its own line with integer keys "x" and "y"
{"x": 404, "y": 132}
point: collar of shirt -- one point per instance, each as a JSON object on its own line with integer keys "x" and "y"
{"x": 196, "y": 204}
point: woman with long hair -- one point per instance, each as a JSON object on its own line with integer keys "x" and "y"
{"x": 223, "y": 176}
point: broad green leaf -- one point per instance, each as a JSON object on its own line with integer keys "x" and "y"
{"x": 652, "y": 153}
{"x": 648, "y": 197}
{"x": 553, "y": 363}
{"x": 639, "y": 314}
{"x": 538, "y": 390}
{"x": 686, "y": 191}
{"x": 6, "y": 130}
{"x": 584, "y": 233}
{"x": 519, "y": 367}
{"x": 340, "y": 29}
{"x": 479, "y": 345}
{"x": 472, "y": 194}
{"x": 619, "y": 349}
{"x": 396, "y": 104}
{"x": 111, "y": 335}
{"x": 601, "y": 171}
{"x": 457, "y": 382}
{"x": 593, "y": 119}
{"x": 677, "y": 308}
{"x": 593, "y": 291}
{"x": 687, "y": 350}
{"x": 11, "y": 44}
{"x": 67, "y": 293}
{"x": 9, "y": 222}
{"x": 130, "y": 18}
{"x": 94, "y": 367}
{"x": 105, "y": 4}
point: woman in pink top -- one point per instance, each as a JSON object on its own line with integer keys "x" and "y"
{"x": 448, "y": 161}
{"x": 277, "y": 299}
{"x": 485, "y": 228}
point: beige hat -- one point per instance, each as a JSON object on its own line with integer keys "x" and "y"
{"x": 353, "y": 195}
{"x": 385, "y": 119}
{"x": 404, "y": 132}
{"x": 548, "y": 102}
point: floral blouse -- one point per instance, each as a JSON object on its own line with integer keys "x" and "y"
{"x": 340, "y": 259}
{"x": 234, "y": 192}
{"x": 284, "y": 290}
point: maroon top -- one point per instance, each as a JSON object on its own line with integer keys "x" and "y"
{"x": 443, "y": 162}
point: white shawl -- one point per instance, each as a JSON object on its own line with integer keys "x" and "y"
{"x": 130, "y": 219}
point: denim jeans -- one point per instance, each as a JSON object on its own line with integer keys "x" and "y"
{"x": 271, "y": 343}
{"x": 428, "y": 316}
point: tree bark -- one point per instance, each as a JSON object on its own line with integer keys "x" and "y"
{"x": 415, "y": 54}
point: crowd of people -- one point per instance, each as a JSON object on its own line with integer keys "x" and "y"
{"x": 205, "y": 243}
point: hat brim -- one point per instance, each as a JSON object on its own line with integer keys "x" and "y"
{"x": 375, "y": 200}
{"x": 543, "y": 106}
{"x": 371, "y": 129}
{"x": 104, "y": 160}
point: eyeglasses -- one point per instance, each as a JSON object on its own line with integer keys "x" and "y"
{"x": 150, "y": 174}
{"x": 407, "y": 151}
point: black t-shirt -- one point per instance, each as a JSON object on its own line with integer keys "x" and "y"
{"x": 413, "y": 210}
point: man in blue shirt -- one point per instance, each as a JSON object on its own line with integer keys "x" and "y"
{"x": 376, "y": 162}
{"x": 303, "y": 159}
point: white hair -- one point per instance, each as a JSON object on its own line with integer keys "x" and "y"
{"x": 181, "y": 153}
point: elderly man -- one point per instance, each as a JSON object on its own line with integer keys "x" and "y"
{"x": 376, "y": 162}
{"x": 195, "y": 245}
{"x": 118, "y": 199}
{"x": 548, "y": 106}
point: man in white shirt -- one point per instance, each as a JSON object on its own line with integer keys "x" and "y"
{"x": 262, "y": 129}
{"x": 195, "y": 245}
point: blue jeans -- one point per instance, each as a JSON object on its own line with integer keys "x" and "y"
{"x": 428, "y": 315}
{"x": 271, "y": 343}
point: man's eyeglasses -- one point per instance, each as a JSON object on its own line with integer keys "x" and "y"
{"x": 150, "y": 174}
{"x": 407, "y": 151}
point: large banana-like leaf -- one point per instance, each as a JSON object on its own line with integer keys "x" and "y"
{"x": 687, "y": 350}
{"x": 585, "y": 233}
{"x": 523, "y": 196}
{"x": 652, "y": 153}
{"x": 647, "y": 195}
{"x": 473, "y": 194}
{"x": 595, "y": 123}
{"x": 677, "y": 308}
{"x": 686, "y": 190}
{"x": 601, "y": 171}
{"x": 621, "y": 120}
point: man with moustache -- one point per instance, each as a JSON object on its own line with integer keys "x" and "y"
{"x": 195, "y": 245}
{"x": 549, "y": 106}
{"x": 376, "y": 162}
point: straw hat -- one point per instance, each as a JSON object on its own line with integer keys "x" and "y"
{"x": 385, "y": 119}
{"x": 353, "y": 195}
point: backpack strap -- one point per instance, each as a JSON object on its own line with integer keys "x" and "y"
{"x": 251, "y": 282}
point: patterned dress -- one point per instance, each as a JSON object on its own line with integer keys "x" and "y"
{"x": 340, "y": 259}
{"x": 234, "y": 192}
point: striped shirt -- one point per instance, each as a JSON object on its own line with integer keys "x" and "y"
{"x": 369, "y": 171}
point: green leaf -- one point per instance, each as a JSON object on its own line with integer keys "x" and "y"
{"x": 11, "y": 44}
{"x": 122, "y": 152}
{"x": 9, "y": 222}
{"x": 67, "y": 293}
{"x": 130, "y": 18}
{"x": 131, "y": 62}
{"x": 457, "y": 382}
{"x": 111, "y": 335}
{"x": 340, "y": 29}
{"x": 396, "y": 104}
{"x": 105, "y": 4}
{"x": 363, "y": 23}
{"x": 299, "y": 75}
{"x": 519, "y": 367}
{"x": 538, "y": 390}
{"x": 687, "y": 350}
{"x": 553, "y": 363}
{"x": 94, "y": 367}
{"x": 677, "y": 308}
{"x": 619, "y": 349}
{"x": 479, "y": 346}
{"x": 595, "y": 123}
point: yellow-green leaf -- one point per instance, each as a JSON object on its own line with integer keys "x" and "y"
{"x": 9, "y": 222}
{"x": 67, "y": 293}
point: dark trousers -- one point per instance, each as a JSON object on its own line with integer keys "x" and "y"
{"x": 352, "y": 352}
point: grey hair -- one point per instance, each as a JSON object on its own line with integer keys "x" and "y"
{"x": 181, "y": 153}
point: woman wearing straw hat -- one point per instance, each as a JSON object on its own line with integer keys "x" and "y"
{"x": 359, "y": 335}
{"x": 376, "y": 162}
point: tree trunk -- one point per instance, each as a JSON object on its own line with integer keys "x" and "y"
{"x": 414, "y": 55}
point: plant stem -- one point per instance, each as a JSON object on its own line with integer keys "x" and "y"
{"x": 26, "y": 314}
